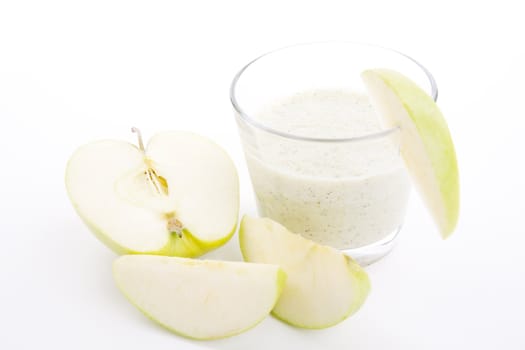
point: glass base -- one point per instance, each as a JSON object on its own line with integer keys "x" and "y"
{"x": 369, "y": 254}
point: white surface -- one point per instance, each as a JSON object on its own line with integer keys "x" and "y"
{"x": 71, "y": 73}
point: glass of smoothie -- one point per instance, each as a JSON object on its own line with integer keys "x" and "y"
{"x": 320, "y": 161}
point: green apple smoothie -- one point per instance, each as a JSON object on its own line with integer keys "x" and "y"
{"x": 345, "y": 194}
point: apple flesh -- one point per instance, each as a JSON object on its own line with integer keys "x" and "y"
{"x": 197, "y": 298}
{"x": 323, "y": 285}
{"x": 426, "y": 144}
{"x": 179, "y": 196}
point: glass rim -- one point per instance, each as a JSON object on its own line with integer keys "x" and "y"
{"x": 370, "y": 136}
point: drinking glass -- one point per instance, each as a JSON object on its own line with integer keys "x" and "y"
{"x": 326, "y": 181}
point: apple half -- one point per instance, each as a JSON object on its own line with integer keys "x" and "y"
{"x": 199, "y": 299}
{"x": 323, "y": 285}
{"x": 426, "y": 144}
{"x": 178, "y": 197}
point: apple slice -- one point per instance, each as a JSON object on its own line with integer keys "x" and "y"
{"x": 180, "y": 196}
{"x": 200, "y": 299}
{"x": 426, "y": 144}
{"x": 323, "y": 285}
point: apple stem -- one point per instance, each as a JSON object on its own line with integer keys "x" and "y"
{"x": 139, "y": 137}
{"x": 158, "y": 183}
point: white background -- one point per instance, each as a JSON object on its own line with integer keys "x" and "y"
{"x": 72, "y": 72}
